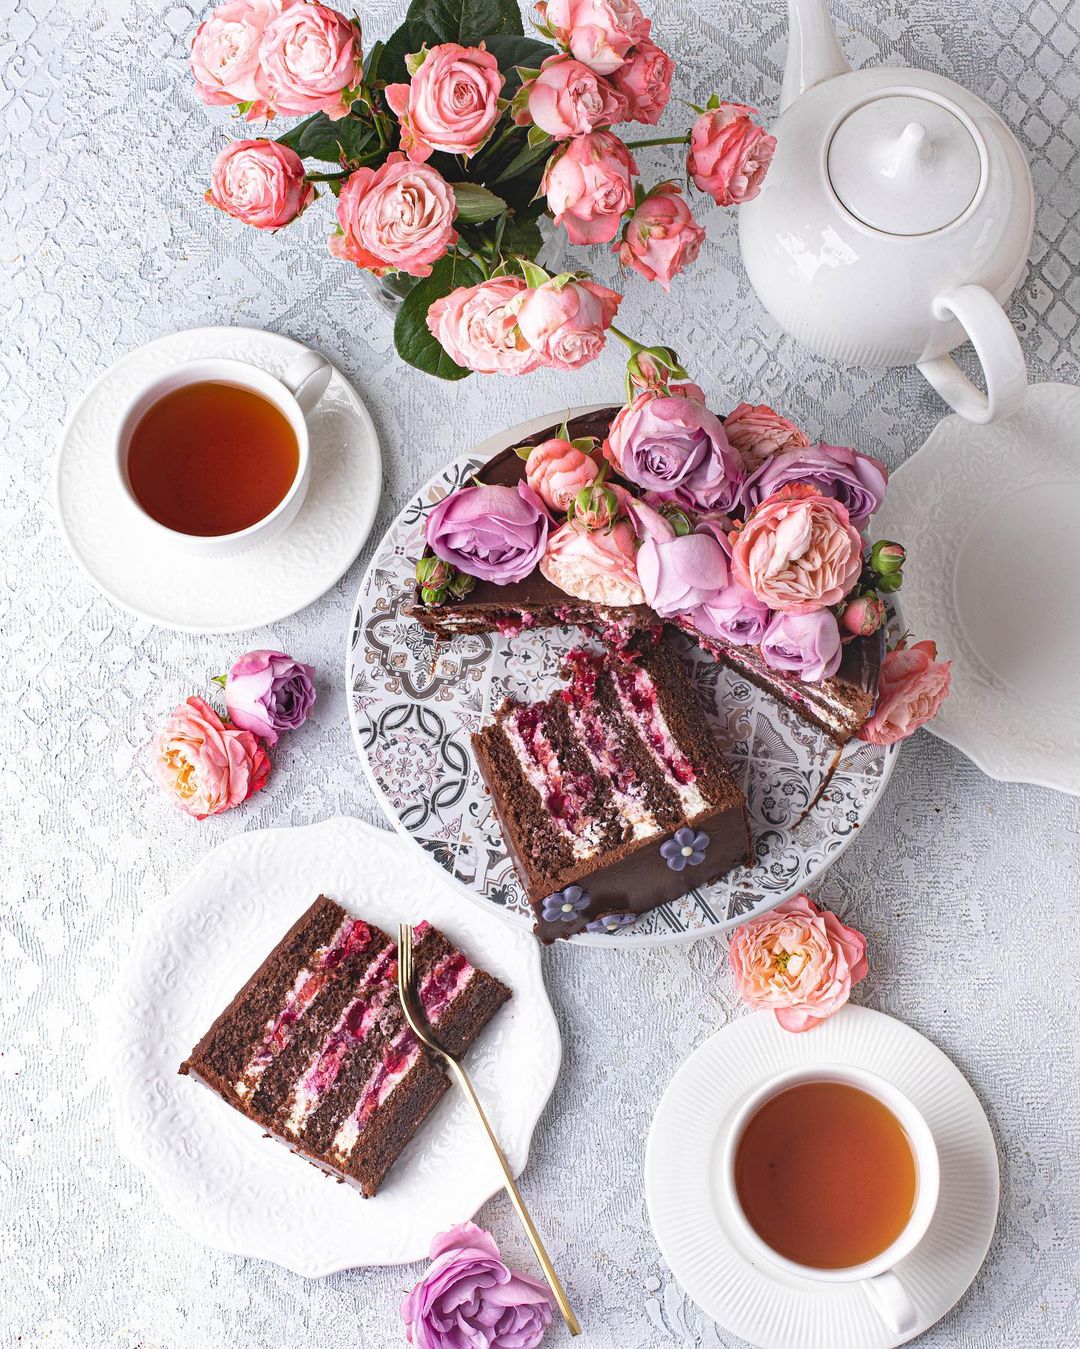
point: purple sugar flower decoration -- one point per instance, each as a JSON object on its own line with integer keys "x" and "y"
{"x": 686, "y": 849}
{"x": 611, "y": 922}
{"x": 564, "y": 905}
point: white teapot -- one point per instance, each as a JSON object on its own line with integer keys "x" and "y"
{"x": 894, "y": 221}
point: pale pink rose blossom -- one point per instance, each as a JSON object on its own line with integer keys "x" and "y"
{"x": 451, "y": 103}
{"x": 312, "y": 58}
{"x": 588, "y": 185}
{"x": 661, "y": 237}
{"x": 207, "y": 765}
{"x": 798, "y": 551}
{"x": 599, "y": 33}
{"x": 568, "y": 99}
{"x": 477, "y": 327}
{"x": 225, "y": 54}
{"x": 596, "y": 565}
{"x": 729, "y": 154}
{"x": 399, "y": 217}
{"x": 758, "y": 432}
{"x": 798, "y": 961}
{"x": 261, "y": 183}
{"x": 557, "y": 470}
{"x": 912, "y": 686}
{"x": 645, "y": 79}
{"x": 565, "y": 321}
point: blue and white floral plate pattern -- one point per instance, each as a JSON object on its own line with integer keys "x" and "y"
{"x": 414, "y": 703}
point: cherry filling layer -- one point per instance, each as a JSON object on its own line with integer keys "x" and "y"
{"x": 637, "y": 693}
{"x": 567, "y": 795}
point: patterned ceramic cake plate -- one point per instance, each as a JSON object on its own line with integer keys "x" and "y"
{"x": 211, "y": 1169}
{"x": 414, "y": 703}
{"x": 198, "y": 594}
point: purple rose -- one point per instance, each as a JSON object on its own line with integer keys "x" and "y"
{"x": 468, "y": 1297}
{"x": 677, "y": 573}
{"x": 267, "y": 692}
{"x": 735, "y": 615}
{"x": 804, "y": 644}
{"x": 494, "y": 533}
{"x": 676, "y": 446}
{"x": 857, "y": 481}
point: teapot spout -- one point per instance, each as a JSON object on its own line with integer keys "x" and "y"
{"x": 814, "y": 54}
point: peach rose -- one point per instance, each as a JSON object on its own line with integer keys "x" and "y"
{"x": 477, "y": 327}
{"x": 399, "y": 217}
{"x": 593, "y": 564}
{"x": 207, "y": 764}
{"x": 557, "y": 471}
{"x": 225, "y": 54}
{"x": 311, "y": 56}
{"x": 729, "y": 154}
{"x": 798, "y": 551}
{"x": 758, "y": 432}
{"x": 588, "y": 185}
{"x": 797, "y": 960}
{"x": 661, "y": 237}
{"x": 451, "y": 103}
{"x": 912, "y": 686}
{"x": 645, "y": 80}
{"x": 261, "y": 183}
{"x": 568, "y": 99}
{"x": 564, "y": 321}
{"x": 599, "y": 33}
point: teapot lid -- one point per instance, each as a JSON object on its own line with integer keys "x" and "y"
{"x": 905, "y": 164}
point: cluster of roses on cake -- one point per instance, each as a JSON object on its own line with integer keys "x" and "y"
{"x": 741, "y": 530}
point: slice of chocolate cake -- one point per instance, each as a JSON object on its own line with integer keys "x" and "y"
{"x": 612, "y": 794}
{"x": 315, "y": 1048}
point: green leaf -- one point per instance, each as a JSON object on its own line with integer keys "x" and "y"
{"x": 398, "y": 45}
{"x": 521, "y": 236}
{"x": 525, "y": 158}
{"x": 374, "y": 59}
{"x": 414, "y": 342}
{"x": 534, "y": 275}
{"x": 511, "y": 51}
{"x": 464, "y": 21}
{"x": 317, "y": 137}
{"x": 476, "y": 203}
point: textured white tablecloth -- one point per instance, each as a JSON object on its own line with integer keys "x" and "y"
{"x": 967, "y": 888}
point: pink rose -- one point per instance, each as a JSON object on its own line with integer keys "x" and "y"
{"x": 225, "y": 54}
{"x": 729, "y": 154}
{"x": 757, "y": 432}
{"x": 645, "y": 79}
{"x": 677, "y": 572}
{"x": 564, "y": 321}
{"x": 798, "y": 960}
{"x": 862, "y": 616}
{"x": 451, "y": 103}
{"x": 912, "y": 686}
{"x": 399, "y": 217}
{"x": 208, "y": 765}
{"x": 312, "y": 58}
{"x": 557, "y": 471}
{"x": 477, "y": 327}
{"x": 594, "y": 565}
{"x": 661, "y": 237}
{"x": 798, "y": 551}
{"x": 588, "y": 185}
{"x": 568, "y": 99}
{"x": 261, "y": 183}
{"x": 599, "y": 33}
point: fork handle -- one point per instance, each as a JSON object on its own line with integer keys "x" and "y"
{"x": 519, "y": 1203}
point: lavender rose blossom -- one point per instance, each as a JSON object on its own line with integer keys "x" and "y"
{"x": 807, "y": 645}
{"x": 858, "y": 481}
{"x": 267, "y": 692}
{"x": 496, "y": 534}
{"x": 468, "y": 1297}
{"x": 676, "y": 446}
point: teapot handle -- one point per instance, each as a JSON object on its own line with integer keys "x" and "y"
{"x": 998, "y": 349}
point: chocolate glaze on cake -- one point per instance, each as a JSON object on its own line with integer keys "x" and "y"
{"x": 315, "y": 1049}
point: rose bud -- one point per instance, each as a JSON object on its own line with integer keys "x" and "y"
{"x": 654, "y": 368}
{"x": 888, "y": 585}
{"x": 887, "y": 558}
{"x": 678, "y": 519}
{"x": 863, "y": 615}
{"x": 595, "y": 507}
{"x": 432, "y": 595}
{"x": 434, "y": 573}
{"x": 460, "y": 584}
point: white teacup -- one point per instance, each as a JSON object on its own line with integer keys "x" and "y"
{"x": 877, "y": 1275}
{"x": 294, "y": 395}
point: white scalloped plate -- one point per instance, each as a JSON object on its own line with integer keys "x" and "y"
{"x": 693, "y": 1228}
{"x": 213, "y": 1171}
{"x": 264, "y": 584}
{"x": 990, "y": 516}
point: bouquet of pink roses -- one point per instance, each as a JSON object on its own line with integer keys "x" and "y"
{"x": 450, "y": 141}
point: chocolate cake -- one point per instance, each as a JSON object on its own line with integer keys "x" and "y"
{"x": 315, "y": 1049}
{"x": 612, "y": 794}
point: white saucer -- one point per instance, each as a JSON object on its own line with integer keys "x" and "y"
{"x": 271, "y": 580}
{"x": 762, "y": 1304}
{"x": 990, "y": 516}
{"x": 213, "y": 1172}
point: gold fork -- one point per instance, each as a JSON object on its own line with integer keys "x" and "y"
{"x": 421, "y": 1028}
